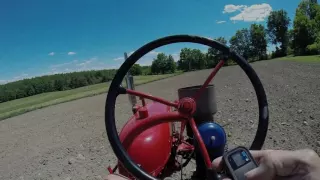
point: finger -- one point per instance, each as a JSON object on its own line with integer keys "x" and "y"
{"x": 263, "y": 172}
{"x": 217, "y": 164}
{"x": 257, "y": 155}
{"x": 224, "y": 177}
{"x": 260, "y": 153}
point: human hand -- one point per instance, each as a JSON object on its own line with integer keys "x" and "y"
{"x": 279, "y": 164}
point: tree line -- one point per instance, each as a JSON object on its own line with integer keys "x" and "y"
{"x": 251, "y": 43}
{"x": 50, "y": 83}
{"x": 302, "y": 39}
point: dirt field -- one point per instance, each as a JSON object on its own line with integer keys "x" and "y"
{"x": 68, "y": 141}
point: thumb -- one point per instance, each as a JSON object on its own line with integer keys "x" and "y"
{"x": 263, "y": 172}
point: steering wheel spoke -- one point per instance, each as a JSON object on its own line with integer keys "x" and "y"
{"x": 122, "y": 90}
{"x": 150, "y": 97}
{"x": 203, "y": 148}
{"x": 209, "y": 79}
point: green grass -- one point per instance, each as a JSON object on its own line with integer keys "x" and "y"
{"x": 308, "y": 59}
{"x": 23, "y": 105}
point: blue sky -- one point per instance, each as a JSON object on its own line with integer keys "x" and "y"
{"x": 40, "y": 37}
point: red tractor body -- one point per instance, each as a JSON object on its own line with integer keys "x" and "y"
{"x": 152, "y": 148}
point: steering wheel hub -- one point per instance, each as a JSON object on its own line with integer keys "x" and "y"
{"x": 187, "y": 106}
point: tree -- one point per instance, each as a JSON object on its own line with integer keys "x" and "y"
{"x": 146, "y": 70}
{"x": 155, "y": 66}
{"x": 302, "y": 35}
{"x": 305, "y": 27}
{"x": 241, "y": 43}
{"x": 185, "y": 60}
{"x": 159, "y": 63}
{"x": 163, "y": 64}
{"x": 198, "y": 59}
{"x": 290, "y": 42}
{"x": 136, "y": 70}
{"x": 170, "y": 65}
{"x": 192, "y": 59}
{"x": 258, "y": 41}
{"x": 309, "y": 8}
{"x": 214, "y": 56}
{"x": 314, "y": 1}
{"x": 278, "y": 23}
{"x": 315, "y": 47}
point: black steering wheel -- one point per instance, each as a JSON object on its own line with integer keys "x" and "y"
{"x": 115, "y": 89}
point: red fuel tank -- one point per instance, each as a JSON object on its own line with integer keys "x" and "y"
{"x": 152, "y": 148}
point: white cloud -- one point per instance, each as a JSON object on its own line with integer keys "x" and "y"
{"x": 60, "y": 65}
{"x": 71, "y": 66}
{"x": 85, "y": 63}
{"x": 220, "y": 22}
{"x": 2, "y": 81}
{"x": 17, "y": 78}
{"x": 71, "y": 53}
{"x": 153, "y": 53}
{"x": 22, "y": 76}
{"x": 51, "y": 54}
{"x": 119, "y": 59}
{"x": 232, "y": 8}
{"x": 55, "y": 66}
{"x": 253, "y": 13}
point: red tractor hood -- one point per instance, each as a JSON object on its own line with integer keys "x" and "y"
{"x": 152, "y": 148}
